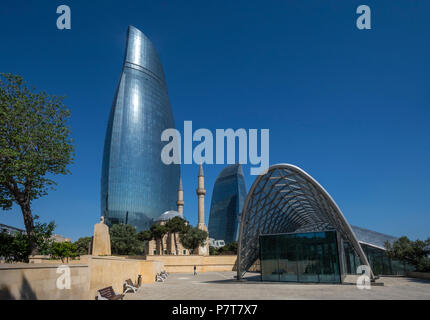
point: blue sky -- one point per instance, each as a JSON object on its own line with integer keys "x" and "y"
{"x": 350, "y": 107}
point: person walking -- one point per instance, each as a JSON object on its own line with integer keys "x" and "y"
{"x": 195, "y": 270}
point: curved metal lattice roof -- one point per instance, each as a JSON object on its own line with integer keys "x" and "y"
{"x": 286, "y": 199}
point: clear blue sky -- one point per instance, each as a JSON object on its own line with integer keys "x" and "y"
{"x": 350, "y": 107}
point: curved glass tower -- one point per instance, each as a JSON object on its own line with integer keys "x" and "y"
{"x": 136, "y": 186}
{"x": 228, "y": 197}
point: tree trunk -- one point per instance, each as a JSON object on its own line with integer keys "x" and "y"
{"x": 176, "y": 244}
{"x": 162, "y": 246}
{"x": 29, "y": 228}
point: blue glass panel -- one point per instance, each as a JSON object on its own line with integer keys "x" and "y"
{"x": 380, "y": 263}
{"x": 300, "y": 257}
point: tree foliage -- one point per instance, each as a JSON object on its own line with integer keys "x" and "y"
{"x": 176, "y": 225}
{"x": 193, "y": 238}
{"x": 228, "y": 249}
{"x": 63, "y": 250}
{"x": 124, "y": 240}
{"x": 82, "y": 245}
{"x": 43, "y": 235}
{"x": 416, "y": 253}
{"x": 158, "y": 231}
{"x": 213, "y": 251}
{"x": 15, "y": 248}
{"x": 35, "y": 144}
{"x": 144, "y": 235}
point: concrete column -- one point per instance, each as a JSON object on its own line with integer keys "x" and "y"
{"x": 204, "y": 250}
{"x": 201, "y": 192}
{"x": 180, "y": 202}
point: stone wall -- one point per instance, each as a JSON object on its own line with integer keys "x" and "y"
{"x": 185, "y": 264}
{"x": 113, "y": 271}
{"x": 420, "y": 275}
{"x": 39, "y": 280}
{"x": 23, "y": 281}
{"x": 49, "y": 260}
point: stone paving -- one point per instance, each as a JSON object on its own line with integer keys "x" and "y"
{"x": 222, "y": 286}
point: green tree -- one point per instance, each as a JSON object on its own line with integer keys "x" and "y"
{"x": 415, "y": 253}
{"x": 158, "y": 231}
{"x": 19, "y": 249}
{"x": 43, "y": 236}
{"x": 229, "y": 248}
{"x": 176, "y": 225}
{"x": 6, "y": 243}
{"x": 34, "y": 145}
{"x": 15, "y": 248}
{"x": 82, "y": 245}
{"x": 193, "y": 238}
{"x": 124, "y": 240}
{"x": 213, "y": 251}
{"x": 144, "y": 235}
{"x": 63, "y": 250}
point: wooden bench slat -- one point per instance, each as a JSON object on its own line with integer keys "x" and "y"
{"x": 109, "y": 293}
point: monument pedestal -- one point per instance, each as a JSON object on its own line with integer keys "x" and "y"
{"x": 101, "y": 239}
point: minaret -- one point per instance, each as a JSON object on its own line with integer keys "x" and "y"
{"x": 201, "y": 194}
{"x": 180, "y": 202}
{"x": 203, "y": 250}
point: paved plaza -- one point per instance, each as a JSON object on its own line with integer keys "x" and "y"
{"x": 221, "y": 285}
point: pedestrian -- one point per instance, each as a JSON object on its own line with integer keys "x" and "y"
{"x": 195, "y": 270}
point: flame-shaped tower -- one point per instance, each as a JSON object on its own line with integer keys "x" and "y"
{"x": 136, "y": 186}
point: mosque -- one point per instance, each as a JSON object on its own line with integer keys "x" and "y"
{"x": 171, "y": 244}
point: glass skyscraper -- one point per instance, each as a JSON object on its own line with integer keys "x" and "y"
{"x": 228, "y": 197}
{"x": 136, "y": 186}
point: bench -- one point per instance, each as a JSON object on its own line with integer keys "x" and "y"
{"x": 128, "y": 285}
{"x": 108, "y": 294}
{"x": 159, "y": 278}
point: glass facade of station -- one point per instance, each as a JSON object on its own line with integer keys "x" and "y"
{"x": 136, "y": 186}
{"x": 228, "y": 197}
{"x": 380, "y": 263}
{"x": 300, "y": 257}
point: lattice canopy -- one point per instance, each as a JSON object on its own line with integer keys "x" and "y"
{"x": 286, "y": 199}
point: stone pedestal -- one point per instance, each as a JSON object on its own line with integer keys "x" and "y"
{"x": 101, "y": 239}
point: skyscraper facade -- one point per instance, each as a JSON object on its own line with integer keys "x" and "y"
{"x": 136, "y": 186}
{"x": 228, "y": 197}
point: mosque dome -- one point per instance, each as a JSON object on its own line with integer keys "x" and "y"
{"x": 166, "y": 216}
